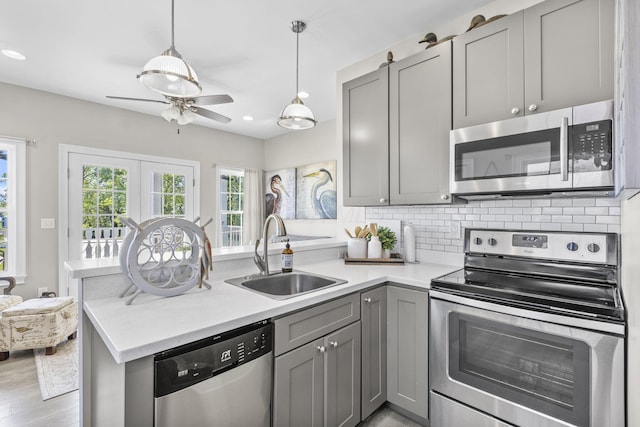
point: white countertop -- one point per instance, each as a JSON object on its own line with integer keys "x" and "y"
{"x": 152, "y": 324}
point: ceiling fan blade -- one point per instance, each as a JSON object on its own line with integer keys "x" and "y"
{"x": 210, "y": 114}
{"x": 212, "y": 99}
{"x": 137, "y": 99}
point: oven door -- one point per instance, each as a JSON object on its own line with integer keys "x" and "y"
{"x": 522, "y": 371}
{"x": 528, "y": 153}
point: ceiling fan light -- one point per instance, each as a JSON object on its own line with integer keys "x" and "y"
{"x": 296, "y": 116}
{"x": 171, "y": 113}
{"x": 170, "y": 75}
{"x": 186, "y": 117}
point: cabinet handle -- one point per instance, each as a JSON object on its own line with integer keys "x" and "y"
{"x": 515, "y": 111}
{"x": 333, "y": 344}
{"x": 533, "y": 107}
{"x": 321, "y": 349}
{"x": 367, "y": 300}
{"x": 564, "y": 149}
{"x": 383, "y": 200}
{"x": 444, "y": 196}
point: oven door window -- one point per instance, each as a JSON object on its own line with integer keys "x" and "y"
{"x": 544, "y": 372}
{"x": 526, "y": 154}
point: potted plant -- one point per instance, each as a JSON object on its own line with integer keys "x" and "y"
{"x": 388, "y": 240}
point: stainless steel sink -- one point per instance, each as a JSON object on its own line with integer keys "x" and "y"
{"x": 285, "y": 285}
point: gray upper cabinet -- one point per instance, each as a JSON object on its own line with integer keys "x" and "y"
{"x": 374, "y": 349}
{"x": 555, "y": 54}
{"x": 419, "y": 125}
{"x": 366, "y": 139}
{"x": 569, "y": 53}
{"x": 396, "y": 123}
{"x": 488, "y": 74}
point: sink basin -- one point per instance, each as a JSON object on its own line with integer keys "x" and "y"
{"x": 285, "y": 285}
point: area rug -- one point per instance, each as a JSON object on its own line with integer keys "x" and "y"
{"x": 58, "y": 373}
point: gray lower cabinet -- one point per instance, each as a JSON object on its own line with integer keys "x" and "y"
{"x": 407, "y": 341}
{"x": 373, "y": 318}
{"x": 317, "y": 379}
{"x": 555, "y": 54}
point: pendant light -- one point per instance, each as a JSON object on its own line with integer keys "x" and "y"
{"x": 169, "y": 74}
{"x": 297, "y": 115}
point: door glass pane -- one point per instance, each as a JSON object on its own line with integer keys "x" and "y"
{"x": 541, "y": 371}
{"x": 167, "y": 196}
{"x": 4, "y": 232}
{"x": 103, "y": 197}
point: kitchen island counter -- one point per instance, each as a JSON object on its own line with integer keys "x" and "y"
{"x": 151, "y": 324}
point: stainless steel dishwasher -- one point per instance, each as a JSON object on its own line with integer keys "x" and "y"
{"x": 221, "y": 381}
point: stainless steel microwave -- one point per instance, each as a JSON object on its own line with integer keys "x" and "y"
{"x": 544, "y": 154}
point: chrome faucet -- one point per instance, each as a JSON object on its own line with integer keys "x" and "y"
{"x": 263, "y": 261}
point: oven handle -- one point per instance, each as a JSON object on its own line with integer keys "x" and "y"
{"x": 564, "y": 148}
{"x": 568, "y": 320}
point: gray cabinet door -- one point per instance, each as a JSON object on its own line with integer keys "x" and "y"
{"x": 419, "y": 125}
{"x": 366, "y": 139}
{"x": 488, "y": 77}
{"x": 374, "y": 349}
{"x": 407, "y": 333}
{"x": 342, "y": 373}
{"x": 298, "y": 397}
{"x": 569, "y": 53}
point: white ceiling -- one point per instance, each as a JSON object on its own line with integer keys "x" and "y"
{"x": 90, "y": 49}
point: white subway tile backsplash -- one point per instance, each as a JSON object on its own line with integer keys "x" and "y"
{"x": 433, "y": 223}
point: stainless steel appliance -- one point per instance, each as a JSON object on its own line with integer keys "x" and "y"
{"x": 222, "y": 381}
{"x": 537, "y": 155}
{"x": 529, "y": 333}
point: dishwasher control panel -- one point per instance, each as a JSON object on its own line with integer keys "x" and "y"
{"x": 192, "y": 363}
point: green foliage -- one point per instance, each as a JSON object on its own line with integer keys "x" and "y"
{"x": 387, "y": 238}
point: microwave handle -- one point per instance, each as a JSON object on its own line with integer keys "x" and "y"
{"x": 564, "y": 148}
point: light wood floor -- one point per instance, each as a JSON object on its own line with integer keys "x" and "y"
{"x": 21, "y": 404}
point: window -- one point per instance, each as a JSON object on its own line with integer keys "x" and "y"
{"x": 231, "y": 206}
{"x": 167, "y": 195}
{"x": 12, "y": 208}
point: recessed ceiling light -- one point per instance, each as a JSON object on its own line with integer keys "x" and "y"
{"x": 247, "y": 118}
{"x": 13, "y": 54}
{"x": 303, "y": 95}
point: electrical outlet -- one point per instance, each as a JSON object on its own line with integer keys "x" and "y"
{"x": 42, "y": 291}
{"x": 455, "y": 230}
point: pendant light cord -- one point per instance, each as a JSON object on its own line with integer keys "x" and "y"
{"x": 172, "y": 8}
{"x": 297, "y": 59}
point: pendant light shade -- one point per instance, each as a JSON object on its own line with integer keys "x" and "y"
{"x": 296, "y": 115}
{"x": 169, "y": 74}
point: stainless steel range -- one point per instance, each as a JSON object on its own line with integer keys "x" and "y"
{"x": 529, "y": 333}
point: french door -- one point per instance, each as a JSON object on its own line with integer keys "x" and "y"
{"x": 102, "y": 188}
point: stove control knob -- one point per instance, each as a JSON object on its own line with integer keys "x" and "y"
{"x": 492, "y": 241}
{"x": 477, "y": 241}
{"x": 593, "y": 248}
{"x": 572, "y": 246}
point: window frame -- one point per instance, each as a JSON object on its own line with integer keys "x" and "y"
{"x": 16, "y": 207}
{"x": 229, "y": 171}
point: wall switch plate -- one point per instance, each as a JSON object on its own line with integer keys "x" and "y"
{"x": 42, "y": 291}
{"x": 47, "y": 223}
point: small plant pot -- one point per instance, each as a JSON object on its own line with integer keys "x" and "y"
{"x": 386, "y": 253}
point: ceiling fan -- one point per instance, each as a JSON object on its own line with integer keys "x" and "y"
{"x": 184, "y": 110}
{"x": 171, "y": 76}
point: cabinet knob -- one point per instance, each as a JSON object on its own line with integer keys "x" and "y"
{"x": 515, "y": 111}
{"x": 367, "y": 300}
{"x": 533, "y": 107}
{"x": 383, "y": 200}
{"x": 333, "y": 344}
{"x": 444, "y": 196}
{"x": 321, "y": 349}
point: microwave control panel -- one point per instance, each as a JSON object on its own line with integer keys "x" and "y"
{"x": 592, "y": 146}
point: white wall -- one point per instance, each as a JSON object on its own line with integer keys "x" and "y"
{"x": 52, "y": 120}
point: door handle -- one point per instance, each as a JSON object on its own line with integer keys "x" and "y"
{"x": 564, "y": 149}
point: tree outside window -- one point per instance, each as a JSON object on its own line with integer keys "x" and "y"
{"x": 231, "y": 206}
